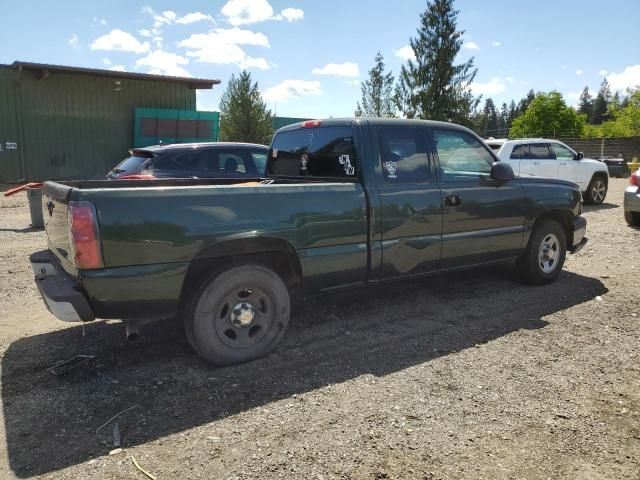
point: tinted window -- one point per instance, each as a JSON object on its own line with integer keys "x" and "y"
{"x": 259, "y": 160}
{"x": 539, "y": 151}
{"x": 227, "y": 162}
{"x": 196, "y": 160}
{"x": 562, "y": 152}
{"x": 462, "y": 156}
{"x": 403, "y": 154}
{"x": 130, "y": 165}
{"x": 316, "y": 152}
{"x": 520, "y": 151}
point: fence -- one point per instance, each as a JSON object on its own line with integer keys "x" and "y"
{"x": 628, "y": 147}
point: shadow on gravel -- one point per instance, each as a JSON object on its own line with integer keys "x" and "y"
{"x": 602, "y": 206}
{"x": 50, "y": 421}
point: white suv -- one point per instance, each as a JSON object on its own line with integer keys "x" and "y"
{"x": 541, "y": 157}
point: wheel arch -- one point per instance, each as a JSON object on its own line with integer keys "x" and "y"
{"x": 563, "y": 217}
{"x": 274, "y": 253}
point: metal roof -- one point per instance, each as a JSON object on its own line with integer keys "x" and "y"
{"x": 46, "y": 70}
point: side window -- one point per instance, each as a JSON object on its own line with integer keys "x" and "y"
{"x": 520, "y": 151}
{"x": 187, "y": 161}
{"x": 259, "y": 160}
{"x": 462, "y": 156}
{"x": 562, "y": 152}
{"x": 403, "y": 154}
{"x": 316, "y": 152}
{"x": 540, "y": 151}
{"x": 230, "y": 162}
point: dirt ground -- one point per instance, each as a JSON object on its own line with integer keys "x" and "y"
{"x": 470, "y": 375}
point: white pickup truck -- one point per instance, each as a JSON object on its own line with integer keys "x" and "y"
{"x": 542, "y": 157}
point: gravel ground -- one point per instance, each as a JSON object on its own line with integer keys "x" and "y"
{"x": 471, "y": 375}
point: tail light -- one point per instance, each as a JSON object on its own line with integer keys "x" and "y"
{"x": 83, "y": 232}
{"x": 633, "y": 179}
{"x": 311, "y": 124}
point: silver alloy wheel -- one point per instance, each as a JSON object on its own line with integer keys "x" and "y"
{"x": 549, "y": 253}
{"x": 598, "y": 191}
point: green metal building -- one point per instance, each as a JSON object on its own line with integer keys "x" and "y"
{"x": 60, "y": 122}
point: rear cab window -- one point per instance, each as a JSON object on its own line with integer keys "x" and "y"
{"x": 321, "y": 152}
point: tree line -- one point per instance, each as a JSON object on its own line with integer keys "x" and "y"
{"x": 431, "y": 85}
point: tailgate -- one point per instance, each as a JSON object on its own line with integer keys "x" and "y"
{"x": 55, "y": 207}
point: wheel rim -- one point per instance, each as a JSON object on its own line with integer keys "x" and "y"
{"x": 598, "y": 191}
{"x": 549, "y": 253}
{"x": 244, "y": 317}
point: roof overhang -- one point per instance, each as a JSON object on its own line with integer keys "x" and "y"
{"x": 44, "y": 70}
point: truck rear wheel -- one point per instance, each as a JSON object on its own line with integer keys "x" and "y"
{"x": 239, "y": 315}
{"x": 544, "y": 257}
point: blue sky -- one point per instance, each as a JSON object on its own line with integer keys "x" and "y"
{"x": 309, "y": 56}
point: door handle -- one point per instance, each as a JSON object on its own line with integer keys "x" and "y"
{"x": 536, "y": 163}
{"x": 452, "y": 201}
{"x": 563, "y": 163}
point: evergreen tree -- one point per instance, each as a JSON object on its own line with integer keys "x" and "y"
{"x": 377, "y": 92}
{"x": 525, "y": 102}
{"x": 243, "y": 114}
{"x": 491, "y": 115}
{"x": 503, "y": 121}
{"x": 585, "y": 105}
{"x": 432, "y": 86}
{"x": 601, "y": 104}
{"x": 513, "y": 112}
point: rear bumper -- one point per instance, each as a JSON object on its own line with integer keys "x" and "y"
{"x": 632, "y": 199}
{"x": 579, "y": 231}
{"x": 60, "y": 292}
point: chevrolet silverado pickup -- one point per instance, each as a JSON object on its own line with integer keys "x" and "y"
{"x": 344, "y": 202}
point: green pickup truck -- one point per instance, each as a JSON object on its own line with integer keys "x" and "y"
{"x": 345, "y": 202}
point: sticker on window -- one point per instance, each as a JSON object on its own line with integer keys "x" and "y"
{"x": 274, "y": 153}
{"x": 391, "y": 169}
{"x": 304, "y": 160}
{"x": 345, "y": 161}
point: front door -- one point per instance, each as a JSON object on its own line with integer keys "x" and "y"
{"x": 410, "y": 203}
{"x": 568, "y": 168}
{"x": 483, "y": 218}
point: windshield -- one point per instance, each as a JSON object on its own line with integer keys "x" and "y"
{"x": 130, "y": 164}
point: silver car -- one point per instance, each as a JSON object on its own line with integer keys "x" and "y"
{"x": 632, "y": 200}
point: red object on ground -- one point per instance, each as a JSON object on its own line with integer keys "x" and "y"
{"x": 15, "y": 190}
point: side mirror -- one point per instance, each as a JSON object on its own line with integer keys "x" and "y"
{"x": 502, "y": 171}
{"x": 579, "y": 156}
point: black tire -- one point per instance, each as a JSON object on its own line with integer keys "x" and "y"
{"x": 540, "y": 265}
{"x": 632, "y": 218}
{"x": 596, "y": 191}
{"x": 238, "y": 315}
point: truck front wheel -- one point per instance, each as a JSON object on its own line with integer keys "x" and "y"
{"x": 238, "y": 315}
{"x": 544, "y": 257}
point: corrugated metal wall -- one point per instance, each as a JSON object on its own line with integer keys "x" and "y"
{"x": 74, "y": 126}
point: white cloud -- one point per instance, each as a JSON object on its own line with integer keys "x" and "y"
{"x": 287, "y": 89}
{"x": 628, "y": 78}
{"x": 492, "y": 87}
{"x": 222, "y": 46}
{"x": 244, "y": 12}
{"x": 603, "y": 72}
{"x": 169, "y": 15}
{"x": 194, "y": 17}
{"x": 160, "y": 62}
{"x": 157, "y": 41}
{"x": 572, "y": 97}
{"x": 578, "y": 72}
{"x": 106, "y": 61}
{"x": 240, "y": 12}
{"x": 405, "y": 53}
{"x": 292, "y": 14}
{"x": 510, "y": 79}
{"x": 100, "y": 21}
{"x": 471, "y": 45}
{"x": 145, "y": 33}
{"x": 496, "y": 44}
{"x": 355, "y": 83}
{"x": 74, "y": 42}
{"x": 346, "y": 69}
{"x": 118, "y": 68}
{"x": 118, "y": 40}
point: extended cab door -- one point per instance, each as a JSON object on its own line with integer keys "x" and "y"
{"x": 410, "y": 203}
{"x": 483, "y": 218}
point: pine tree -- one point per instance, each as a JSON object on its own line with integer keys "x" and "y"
{"x": 513, "y": 112}
{"x": 585, "y": 104}
{"x": 243, "y": 114}
{"x": 503, "y": 121}
{"x": 491, "y": 115}
{"x": 377, "y": 92}
{"x": 601, "y": 104}
{"x": 432, "y": 86}
{"x": 525, "y": 102}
